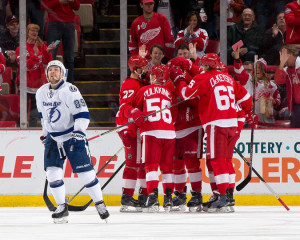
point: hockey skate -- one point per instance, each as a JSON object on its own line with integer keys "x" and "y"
{"x": 129, "y": 204}
{"x": 101, "y": 209}
{"x": 195, "y": 202}
{"x": 152, "y": 204}
{"x": 142, "y": 198}
{"x": 179, "y": 201}
{"x": 220, "y": 205}
{"x": 168, "y": 200}
{"x": 229, "y": 192}
{"x": 61, "y": 214}
{"x": 207, "y": 204}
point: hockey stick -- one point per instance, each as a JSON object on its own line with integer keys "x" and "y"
{"x": 100, "y": 170}
{"x": 249, "y": 176}
{"x": 145, "y": 117}
{"x": 260, "y": 177}
{"x": 51, "y": 206}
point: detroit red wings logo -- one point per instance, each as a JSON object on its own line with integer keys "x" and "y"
{"x": 149, "y": 35}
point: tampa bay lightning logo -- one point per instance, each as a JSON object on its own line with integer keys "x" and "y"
{"x": 73, "y": 88}
{"x": 50, "y": 94}
{"x": 53, "y": 114}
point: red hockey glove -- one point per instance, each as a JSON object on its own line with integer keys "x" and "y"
{"x": 176, "y": 73}
{"x": 137, "y": 116}
{"x": 185, "y": 64}
{"x": 251, "y": 120}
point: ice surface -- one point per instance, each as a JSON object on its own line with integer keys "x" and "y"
{"x": 245, "y": 223}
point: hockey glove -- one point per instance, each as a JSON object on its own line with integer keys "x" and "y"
{"x": 77, "y": 136}
{"x": 176, "y": 73}
{"x": 251, "y": 120}
{"x": 137, "y": 116}
{"x": 185, "y": 64}
{"x": 43, "y": 139}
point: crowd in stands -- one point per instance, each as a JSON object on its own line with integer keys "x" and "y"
{"x": 262, "y": 27}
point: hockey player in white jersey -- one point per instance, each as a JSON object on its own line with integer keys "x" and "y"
{"x": 65, "y": 118}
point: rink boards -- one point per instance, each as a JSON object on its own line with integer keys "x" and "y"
{"x": 276, "y": 157}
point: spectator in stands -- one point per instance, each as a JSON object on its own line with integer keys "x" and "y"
{"x": 38, "y": 55}
{"x": 273, "y": 40}
{"x": 193, "y": 33}
{"x": 266, "y": 8}
{"x": 249, "y": 32}
{"x": 2, "y": 14}
{"x": 62, "y": 27}
{"x": 234, "y": 10}
{"x": 9, "y": 39}
{"x": 292, "y": 18}
{"x": 11, "y": 7}
{"x": 149, "y": 29}
{"x": 267, "y": 96}
{"x": 288, "y": 73}
{"x": 248, "y": 66}
{"x": 2, "y": 66}
{"x": 188, "y": 52}
{"x": 211, "y": 23}
{"x": 36, "y": 15}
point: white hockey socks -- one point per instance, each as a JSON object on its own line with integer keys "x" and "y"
{"x": 92, "y": 185}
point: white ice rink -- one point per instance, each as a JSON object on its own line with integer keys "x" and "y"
{"x": 246, "y": 223}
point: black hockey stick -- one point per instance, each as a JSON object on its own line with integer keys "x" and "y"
{"x": 100, "y": 170}
{"x": 52, "y": 208}
{"x": 249, "y": 176}
{"x": 260, "y": 177}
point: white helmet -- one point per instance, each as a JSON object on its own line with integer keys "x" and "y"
{"x": 56, "y": 63}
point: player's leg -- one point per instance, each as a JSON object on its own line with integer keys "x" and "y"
{"x": 81, "y": 162}
{"x": 166, "y": 167}
{"x": 151, "y": 153}
{"x": 53, "y": 164}
{"x": 217, "y": 143}
{"x": 130, "y": 141}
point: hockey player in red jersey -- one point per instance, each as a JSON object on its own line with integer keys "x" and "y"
{"x": 149, "y": 29}
{"x": 158, "y": 137}
{"x": 133, "y": 168}
{"x": 219, "y": 94}
{"x": 188, "y": 152}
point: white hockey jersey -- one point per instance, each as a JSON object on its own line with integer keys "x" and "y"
{"x": 62, "y": 110}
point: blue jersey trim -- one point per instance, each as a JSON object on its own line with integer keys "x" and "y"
{"x": 41, "y": 115}
{"x": 82, "y": 115}
{"x": 56, "y": 134}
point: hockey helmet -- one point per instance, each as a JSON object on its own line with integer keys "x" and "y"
{"x": 211, "y": 59}
{"x": 161, "y": 72}
{"x": 136, "y": 61}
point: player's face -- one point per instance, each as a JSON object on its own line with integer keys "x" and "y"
{"x": 205, "y": 68}
{"x": 156, "y": 56}
{"x": 54, "y": 74}
{"x": 183, "y": 53}
{"x": 193, "y": 21}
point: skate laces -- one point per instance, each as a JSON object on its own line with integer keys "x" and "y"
{"x": 60, "y": 208}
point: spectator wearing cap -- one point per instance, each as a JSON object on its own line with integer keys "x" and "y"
{"x": 149, "y": 29}
{"x": 249, "y": 32}
{"x": 288, "y": 73}
{"x": 9, "y": 39}
{"x": 292, "y": 19}
{"x": 267, "y": 96}
{"x": 62, "y": 27}
{"x": 273, "y": 40}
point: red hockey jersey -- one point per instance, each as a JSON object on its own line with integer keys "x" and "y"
{"x": 153, "y": 98}
{"x": 155, "y": 31}
{"x": 129, "y": 89}
{"x": 219, "y": 95}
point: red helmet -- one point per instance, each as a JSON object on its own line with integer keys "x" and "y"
{"x": 223, "y": 68}
{"x": 136, "y": 61}
{"x": 211, "y": 59}
{"x": 161, "y": 72}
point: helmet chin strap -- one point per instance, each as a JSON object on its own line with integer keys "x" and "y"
{"x": 57, "y": 83}
{"x": 139, "y": 74}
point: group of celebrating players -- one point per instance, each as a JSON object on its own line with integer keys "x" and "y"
{"x": 171, "y": 108}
